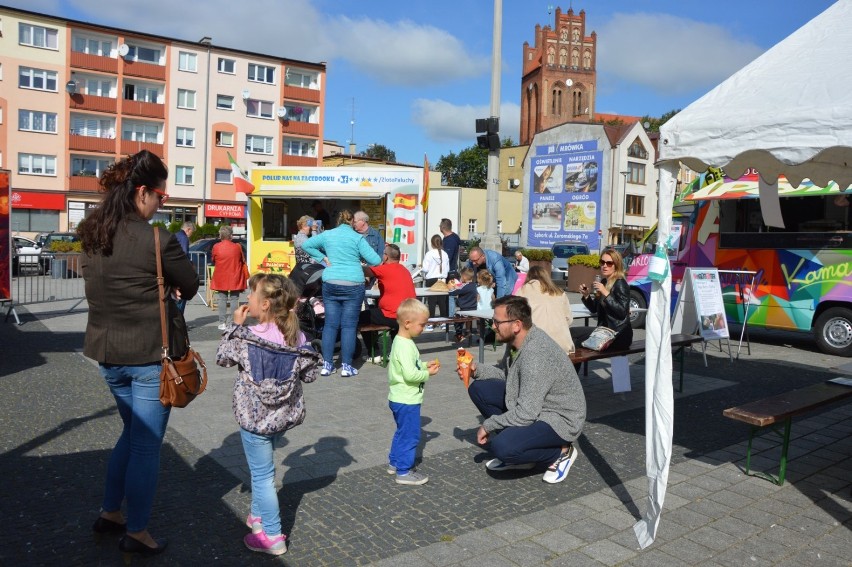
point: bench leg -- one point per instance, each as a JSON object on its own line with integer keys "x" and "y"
{"x": 680, "y": 356}
{"x": 785, "y": 445}
{"x": 384, "y": 337}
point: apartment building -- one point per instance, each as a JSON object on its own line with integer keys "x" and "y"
{"x": 76, "y": 96}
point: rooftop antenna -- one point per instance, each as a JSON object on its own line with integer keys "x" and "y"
{"x": 352, "y": 125}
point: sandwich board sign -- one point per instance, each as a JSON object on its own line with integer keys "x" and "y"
{"x": 699, "y": 305}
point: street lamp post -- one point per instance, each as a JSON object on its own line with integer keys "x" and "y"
{"x": 491, "y": 240}
{"x": 623, "y": 205}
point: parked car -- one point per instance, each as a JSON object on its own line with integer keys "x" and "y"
{"x": 561, "y": 252}
{"x": 48, "y": 255}
{"x": 27, "y": 251}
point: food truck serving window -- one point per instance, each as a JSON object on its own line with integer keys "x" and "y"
{"x": 275, "y": 219}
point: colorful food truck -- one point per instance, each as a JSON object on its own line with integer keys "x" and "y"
{"x": 803, "y": 271}
{"x": 390, "y": 196}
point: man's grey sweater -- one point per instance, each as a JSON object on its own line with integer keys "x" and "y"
{"x": 541, "y": 385}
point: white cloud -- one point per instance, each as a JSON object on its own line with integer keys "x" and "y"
{"x": 670, "y": 54}
{"x": 445, "y": 122}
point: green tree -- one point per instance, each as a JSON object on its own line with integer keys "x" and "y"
{"x": 381, "y": 152}
{"x": 657, "y": 122}
{"x": 468, "y": 168}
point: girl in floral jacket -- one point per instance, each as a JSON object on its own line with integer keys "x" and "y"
{"x": 273, "y": 361}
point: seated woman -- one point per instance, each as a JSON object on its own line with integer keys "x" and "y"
{"x": 551, "y": 310}
{"x": 610, "y": 303}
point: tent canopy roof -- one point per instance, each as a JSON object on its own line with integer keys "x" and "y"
{"x": 788, "y": 112}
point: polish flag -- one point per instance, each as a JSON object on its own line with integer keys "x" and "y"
{"x": 241, "y": 182}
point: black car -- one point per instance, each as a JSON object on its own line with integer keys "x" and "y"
{"x": 48, "y": 254}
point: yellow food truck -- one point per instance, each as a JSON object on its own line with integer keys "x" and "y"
{"x": 390, "y": 196}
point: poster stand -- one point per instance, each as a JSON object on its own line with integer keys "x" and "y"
{"x": 10, "y": 311}
{"x": 700, "y": 310}
{"x": 745, "y": 279}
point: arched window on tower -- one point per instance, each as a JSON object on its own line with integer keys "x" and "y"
{"x": 551, "y": 55}
{"x": 577, "y": 103}
{"x": 575, "y": 58}
{"x": 564, "y": 34}
{"x": 575, "y": 34}
{"x": 553, "y": 102}
{"x": 587, "y": 59}
{"x": 563, "y": 57}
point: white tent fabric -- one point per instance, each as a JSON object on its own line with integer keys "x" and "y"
{"x": 789, "y": 112}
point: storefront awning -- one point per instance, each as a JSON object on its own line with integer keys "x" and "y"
{"x": 312, "y": 193}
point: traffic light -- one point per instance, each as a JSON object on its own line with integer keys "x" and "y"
{"x": 489, "y": 127}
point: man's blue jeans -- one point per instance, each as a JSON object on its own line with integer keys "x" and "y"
{"x": 534, "y": 443}
{"x": 135, "y": 461}
{"x": 342, "y": 309}
{"x": 264, "y": 500}
{"x": 407, "y": 437}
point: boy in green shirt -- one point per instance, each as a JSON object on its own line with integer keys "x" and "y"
{"x": 407, "y": 375}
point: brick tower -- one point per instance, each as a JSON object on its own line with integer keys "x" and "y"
{"x": 559, "y": 79}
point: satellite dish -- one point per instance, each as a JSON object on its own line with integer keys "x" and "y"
{"x": 282, "y": 112}
{"x": 71, "y": 87}
{"x": 123, "y": 49}
{"x": 246, "y": 94}
{"x": 569, "y": 82}
{"x": 516, "y": 183}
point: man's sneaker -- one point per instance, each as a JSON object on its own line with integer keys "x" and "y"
{"x": 346, "y": 371}
{"x": 327, "y": 369}
{"x": 429, "y": 328}
{"x": 275, "y": 545}
{"x": 392, "y": 469}
{"x": 222, "y": 327}
{"x": 560, "y": 467}
{"x": 412, "y": 477}
{"x": 254, "y": 523}
{"x": 376, "y": 359}
{"x": 498, "y": 465}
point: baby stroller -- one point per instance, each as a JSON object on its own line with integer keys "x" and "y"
{"x": 309, "y": 308}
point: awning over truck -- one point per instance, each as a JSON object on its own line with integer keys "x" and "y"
{"x": 747, "y": 188}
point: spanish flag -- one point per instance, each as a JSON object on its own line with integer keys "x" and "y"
{"x": 403, "y": 201}
{"x": 424, "y": 199}
{"x": 241, "y": 182}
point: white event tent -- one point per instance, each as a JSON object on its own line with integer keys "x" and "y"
{"x": 788, "y": 112}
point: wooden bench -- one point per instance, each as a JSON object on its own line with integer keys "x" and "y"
{"x": 384, "y": 338}
{"x": 585, "y": 355}
{"x": 780, "y": 410}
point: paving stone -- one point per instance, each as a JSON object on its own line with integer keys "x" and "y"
{"x": 711, "y": 538}
{"x": 559, "y": 541}
{"x": 444, "y": 553}
{"x": 589, "y": 529}
{"x": 491, "y": 559}
{"x": 687, "y": 551}
{"x": 653, "y": 557}
{"x": 527, "y": 553}
{"x": 608, "y": 552}
{"x": 571, "y": 559}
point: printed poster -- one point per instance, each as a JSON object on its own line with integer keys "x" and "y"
{"x": 707, "y": 291}
{"x": 565, "y": 200}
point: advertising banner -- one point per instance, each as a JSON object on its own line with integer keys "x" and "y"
{"x": 565, "y": 196}
{"x": 5, "y": 238}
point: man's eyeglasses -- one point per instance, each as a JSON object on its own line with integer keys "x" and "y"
{"x": 163, "y": 196}
{"x": 607, "y": 263}
{"x": 497, "y": 322}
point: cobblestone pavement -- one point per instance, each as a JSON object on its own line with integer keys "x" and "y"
{"x": 58, "y": 424}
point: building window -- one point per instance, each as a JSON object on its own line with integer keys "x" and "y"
{"x": 186, "y": 99}
{"x": 39, "y": 79}
{"x": 304, "y": 148}
{"x": 185, "y": 137}
{"x": 38, "y": 36}
{"x": 575, "y": 34}
{"x": 143, "y": 54}
{"x": 300, "y": 78}
{"x": 563, "y": 57}
{"x": 95, "y": 87}
{"x": 183, "y": 175}
{"x": 35, "y": 220}
{"x": 91, "y": 45}
{"x": 471, "y": 227}
{"x": 144, "y": 93}
{"x": 637, "y": 150}
{"x": 258, "y": 144}
{"x": 228, "y": 66}
{"x": 551, "y": 56}
{"x": 225, "y": 139}
{"x": 224, "y": 176}
{"x": 635, "y": 205}
{"x": 35, "y": 121}
{"x": 575, "y": 58}
{"x": 564, "y": 34}
{"x": 296, "y": 113}
{"x": 187, "y": 62}
{"x": 261, "y": 73}
{"x": 88, "y": 167}
{"x": 499, "y": 226}
{"x": 36, "y": 164}
{"x": 512, "y": 161}
{"x": 139, "y": 131}
{"x": 637, "y": 173}
{"x": 224, "y": 102}
{"x": 93, "y": 127}
{"x": 587, "y": 59}
{"x": 258, "y": 108}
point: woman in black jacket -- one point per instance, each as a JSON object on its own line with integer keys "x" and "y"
{"x": 610, "y": 302}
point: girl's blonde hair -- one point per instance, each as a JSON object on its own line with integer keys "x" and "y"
{"x": 484, "y": 278}
{"x": 618, "y": 266}
{"x": 466, "y": 274}
{"x": 282, "y": 295}
{"x": 542, "y": 276}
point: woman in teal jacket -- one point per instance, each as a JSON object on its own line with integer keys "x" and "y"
{"x": 342, "y": 249}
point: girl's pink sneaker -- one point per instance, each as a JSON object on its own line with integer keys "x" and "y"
{"x": 275, "y": 545}
{"x": 254, "y": 523}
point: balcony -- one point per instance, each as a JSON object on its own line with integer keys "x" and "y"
{"x": 145, "y": 70}
{"x": 298, "y": 160}
{"x": 130, "y": 147}
{"x": 91, "y": 102}
{"x": 91, "y": 144}
{"x": 300, "y": 93}
{"x": 302, "y": 128}
{"x": 94, "y": 62}
{"x": 83, "y": 183}
{"x": 146, "y": 109}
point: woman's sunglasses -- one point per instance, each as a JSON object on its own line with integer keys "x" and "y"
{"x": 607, "y": 263}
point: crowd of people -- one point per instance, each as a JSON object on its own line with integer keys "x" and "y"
{"x": 532, "y": 403}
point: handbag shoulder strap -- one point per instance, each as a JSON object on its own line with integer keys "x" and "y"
{"x": 162, "y": 293}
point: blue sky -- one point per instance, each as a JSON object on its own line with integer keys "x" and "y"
{"x": 419, "y": 71}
